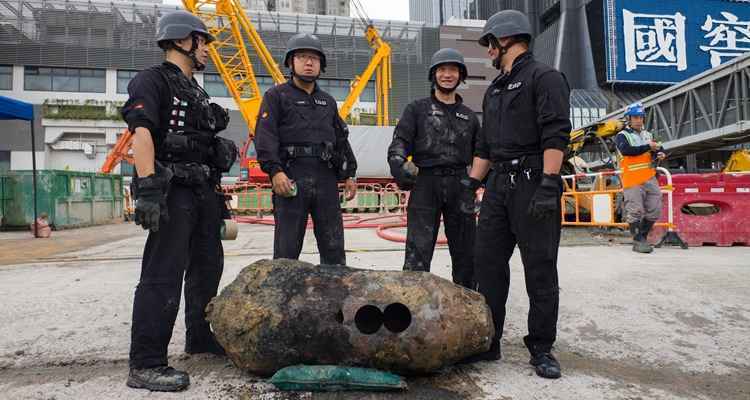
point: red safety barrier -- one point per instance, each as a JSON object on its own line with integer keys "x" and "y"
{"x": 711, "y": 209}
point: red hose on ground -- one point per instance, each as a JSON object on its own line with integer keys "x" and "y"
{"x": 382, "y": 229}
{"x": 384, "y": 232}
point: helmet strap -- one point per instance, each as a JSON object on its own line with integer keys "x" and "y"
{"x": 445, "y": 90}
{"x": 442, "y": 89}
{"x": 197, "y": 65}
{"x": 503, "y": 50}
{"x": 308, "y": 79}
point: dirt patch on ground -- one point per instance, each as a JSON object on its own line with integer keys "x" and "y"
{"x": 22, "y": 248}
{"x": 453, "y": 383}
{"x": 668, "y": 377}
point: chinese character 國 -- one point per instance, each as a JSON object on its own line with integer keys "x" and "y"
{"x": 654, "y": 40}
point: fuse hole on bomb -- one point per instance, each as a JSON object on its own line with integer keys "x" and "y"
{"x": 397, "y": 317}
{"x": 368, "y": 319}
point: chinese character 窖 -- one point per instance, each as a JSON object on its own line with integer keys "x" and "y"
{"x": 654, "y": 40}
{"x": 732, "y": 34}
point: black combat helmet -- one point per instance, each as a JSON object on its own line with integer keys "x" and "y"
{"x": 447, "y": 56}
{"x": 506, "y": 23}
{"x": 179, "y": 25}
{"x": 304, "y": 41}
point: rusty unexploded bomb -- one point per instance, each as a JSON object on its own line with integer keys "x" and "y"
{"x": 278, "y": 313}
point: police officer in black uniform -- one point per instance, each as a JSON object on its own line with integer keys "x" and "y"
{"x": 179, "y": 161}
{"x": 439, "y": 133}
{"x": 303, "y": 146}
{"x": 524, "y": 136}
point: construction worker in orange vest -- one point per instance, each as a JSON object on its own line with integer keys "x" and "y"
{"x": 641, "y": 189}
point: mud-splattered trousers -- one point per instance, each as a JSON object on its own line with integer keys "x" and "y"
{"x": 440, "y": 138}
{"x": 188, "y": 245}
{"x": 434, "y": 196}
{"x": 318, "y": 197}
{"x": 292, "y": 119}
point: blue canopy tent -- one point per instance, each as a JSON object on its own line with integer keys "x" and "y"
{"x": 15, "y": 109}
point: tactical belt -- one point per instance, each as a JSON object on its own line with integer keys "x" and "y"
{"x": 443, "y": 171}
{"x": 519, "y": 164}
{"x": 190, "y": 173}
{"x": 312, "y": 151}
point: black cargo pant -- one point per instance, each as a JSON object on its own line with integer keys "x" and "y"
{"x": 435, "y": 195}
{"x": 504, "y": 222}
{"x": 318, "y": 196}
{"x": 188, "y": 246}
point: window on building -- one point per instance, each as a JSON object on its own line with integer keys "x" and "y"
{"x": 214, "y": 85}
{"x": 64, "y": 79}
{"x": 340, "y": 88}
{"x": 369, "y": 93}
{"x": 6, "y": 77}
{"x": 265, "y": 83}
{"x": 335, "y": 88}
{"x": 36, "y": 78}
{"x": 127, "y": 169}
{"x": 123, "y": 79}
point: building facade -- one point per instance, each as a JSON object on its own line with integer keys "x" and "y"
{"x": 319, "y": 7}
{"x": 74, "y": 60}
{"x": 429, "y": 11}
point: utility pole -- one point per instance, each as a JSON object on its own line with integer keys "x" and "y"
{"x": 440, "y": 5}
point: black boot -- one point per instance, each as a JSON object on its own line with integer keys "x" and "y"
{"x": 158, "y": 379}
{"x": 641, "y": 244}
{"x": 634, "y": 226}
{"x": 493, "y": 354}
{"x": 546, "y": 365}
{"x": 639, "y": 240}
{"x": 645, "y": 228}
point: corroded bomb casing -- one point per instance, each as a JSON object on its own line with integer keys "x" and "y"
{"x": 287, "y": 312}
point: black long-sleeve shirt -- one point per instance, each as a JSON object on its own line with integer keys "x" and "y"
{"x": 525, "y": 112}
{"x": 435, "y": 133}
{"x": 290, "y": 116}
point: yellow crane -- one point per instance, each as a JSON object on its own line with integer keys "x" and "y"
{"x": 229, "y": 24}
{"x": 227, "y": 21}
{"x": 380, "y": 64}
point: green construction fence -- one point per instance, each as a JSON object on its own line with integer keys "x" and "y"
{"x": 69, "y": 198}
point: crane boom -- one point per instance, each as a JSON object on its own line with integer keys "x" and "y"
{"x": 228, "y": 22}
{"x": 380, "y": 64}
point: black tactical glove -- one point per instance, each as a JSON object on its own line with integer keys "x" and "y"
{"x": 404, "y": 172}
{"x": 150, "y": 195}
{"x": 546, "y": 200}
{"x": 468, "y": 196}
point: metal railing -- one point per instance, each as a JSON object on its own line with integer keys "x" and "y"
{"x": 604, "y": 196}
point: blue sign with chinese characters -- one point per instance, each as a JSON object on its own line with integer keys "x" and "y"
{"x": 668, "y": 41}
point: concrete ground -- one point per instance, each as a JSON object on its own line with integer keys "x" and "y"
{"x": 671, "y": 325}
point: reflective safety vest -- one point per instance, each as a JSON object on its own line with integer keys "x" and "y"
{"x": 636, "y": 169}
